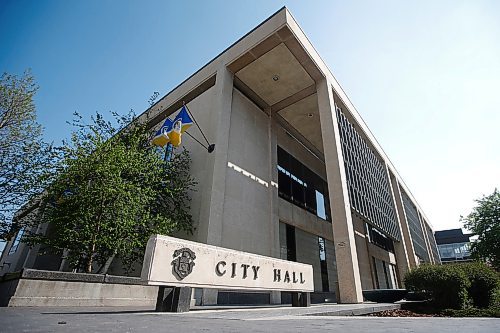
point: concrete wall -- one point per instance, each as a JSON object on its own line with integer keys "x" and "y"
{"x": 246, "y": 224}
{"x": 45, "y": 288}
{"x": 62, "y": 293}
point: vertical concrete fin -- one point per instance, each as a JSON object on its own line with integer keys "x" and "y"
{"x": 343, "y": 229}
{"x": 400, "y": 248}
{"x": 405, "y": 229}
{"x": 426, "y": 238}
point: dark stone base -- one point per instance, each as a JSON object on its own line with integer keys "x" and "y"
{"x": 323, "y": 297}
{"x": 384, "y": 295}
{"x": 301, "y": 299}
{"x": 173, "y": 299}
{"x": 241, "y": 298}
{"x": 317, "y": 297}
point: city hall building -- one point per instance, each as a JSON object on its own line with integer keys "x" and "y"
{"x": 296, "y": 174}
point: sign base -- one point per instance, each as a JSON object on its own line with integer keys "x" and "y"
{"x": 173, "y": 299}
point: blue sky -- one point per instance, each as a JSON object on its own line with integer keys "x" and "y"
{"x": 424, "y": 74}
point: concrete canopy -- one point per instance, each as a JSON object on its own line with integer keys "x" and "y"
{"x": 282, "y": 81}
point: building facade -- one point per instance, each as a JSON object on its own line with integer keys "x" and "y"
{"x": 296, "y": 173}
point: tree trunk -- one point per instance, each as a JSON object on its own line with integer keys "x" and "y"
{"x": 88, "y": 268}
{"x": 90, "y": 259}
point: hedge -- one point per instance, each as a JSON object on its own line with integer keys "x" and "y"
{"x": 455, "y": 286}
{"x": 446, "y": 285}
{"x": 484, "y": 283}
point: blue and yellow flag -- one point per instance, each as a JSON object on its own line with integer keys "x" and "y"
{"x": 161, "y": 137}
{"x": 180, "y": 124}
{"x": 171, "y": 131}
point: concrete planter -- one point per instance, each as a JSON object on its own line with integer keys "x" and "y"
{"x": 47, "y": 288}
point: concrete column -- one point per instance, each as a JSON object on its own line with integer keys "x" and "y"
{"x": 274, "y": 221}
{"x": 403, "y": 223}
{"x": 212, "y": 207}
{"x": 400, "y": 248}
{"x": 343, "y": 229}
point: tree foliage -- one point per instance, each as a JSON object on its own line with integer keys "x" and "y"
{"x": 112, "y": 192}
{"x": 484, "y": 221}
{"x": 24, "y": 156}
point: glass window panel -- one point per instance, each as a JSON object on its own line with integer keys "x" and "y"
{"x": 320, "y": 204}
{"x": 284, "y": 185}
{"x": 17, "y": 240}
{"x": 298, "y": 184}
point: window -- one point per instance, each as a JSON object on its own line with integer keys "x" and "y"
{"x": 385, "y": 274}
{"x": 322, "y": 260}
{"x": 377, "y": 238}
{"x": 454, "y": 250}
{"x": 291, "y": 249}
{"x": 320, "y": 204}
{"x": 17, "y": 240}
{"x": 301, "y": 186}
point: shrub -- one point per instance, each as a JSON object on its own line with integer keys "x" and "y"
{"x": 471, "y": 312}
{"x": 484, "y": 283}
{"x": 446, "y": 285}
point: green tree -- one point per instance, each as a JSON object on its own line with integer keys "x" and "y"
{"x": 112, "y": 192}
{"x": 484, "y": 221}
{"x": 24, "y": 156}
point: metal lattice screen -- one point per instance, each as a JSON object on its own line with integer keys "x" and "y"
{"x": 367, "y": 180}
{"x": 417, "y": 235}
{"x": 432, "y": 242}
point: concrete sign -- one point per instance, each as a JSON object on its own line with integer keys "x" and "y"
{"x": 177, "y": 262}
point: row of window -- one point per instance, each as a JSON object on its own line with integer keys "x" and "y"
{"x": 301, "y": 186}
{"x": 454, "y": 251}
{"x": 379, "y": 239}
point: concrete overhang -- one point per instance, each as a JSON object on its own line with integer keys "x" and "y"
{"x": 280, "y": 77}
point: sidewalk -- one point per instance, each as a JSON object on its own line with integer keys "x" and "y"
{"x": 331, "y": 309}
{"x": 276, "y": 319}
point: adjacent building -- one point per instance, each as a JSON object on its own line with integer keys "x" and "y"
{"x": 296, "y": 173}
{"x": 453, "y": 245}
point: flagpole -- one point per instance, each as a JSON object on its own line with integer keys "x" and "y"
{"x": 211, "y": 146}
{"x": 187, "y": 108}
{"x": 168, "y": 153}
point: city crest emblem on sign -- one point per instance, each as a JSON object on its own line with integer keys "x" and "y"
{"x": 183, "y": 263}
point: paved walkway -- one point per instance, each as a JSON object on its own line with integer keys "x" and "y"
{"x": 317, "y": 318}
